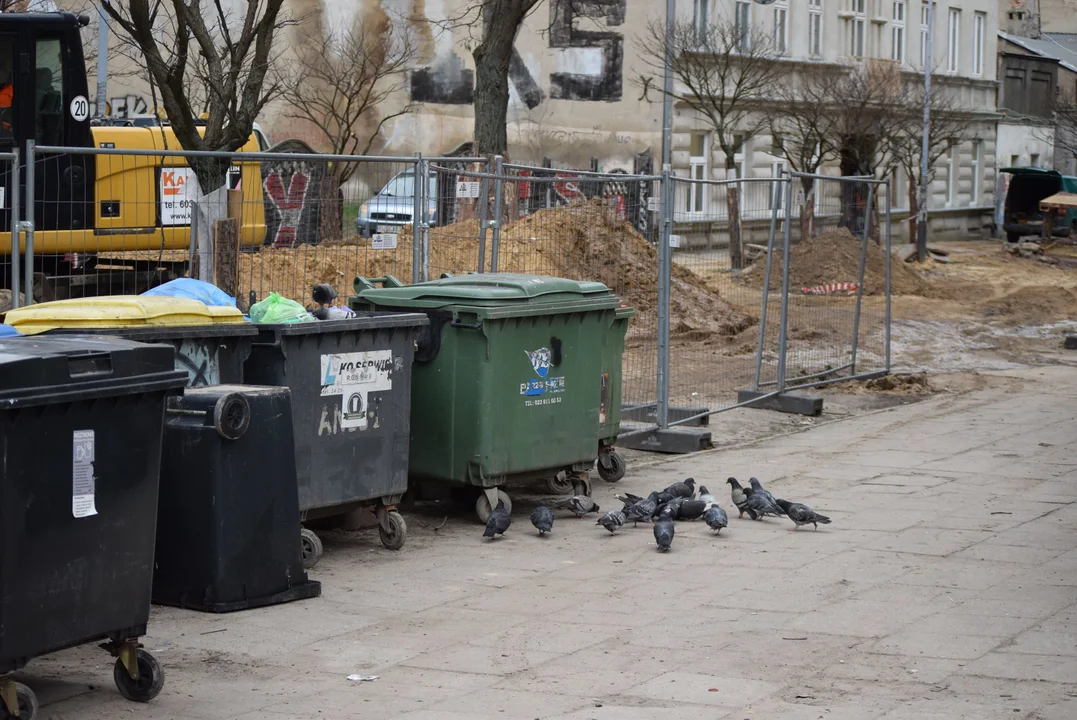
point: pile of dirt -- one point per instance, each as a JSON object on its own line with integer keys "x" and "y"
{"x": 583, "y": 241}
{"x": 833, "y": 256}
{"x": 1032, "y": 304}
{"x": 915, "y": 384}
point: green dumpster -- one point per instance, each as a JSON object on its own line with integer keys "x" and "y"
{"x": 611, "y": 466}
{"x": 508, "y": 379}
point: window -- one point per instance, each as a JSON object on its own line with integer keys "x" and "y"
{"x": 743, "y": 25}
{"x": 897, "y": 32}
{"x": 979, "y": 22}
{"x": 950, "y": 175}
{"x": 1015, "y": 160}
{"x": 815, "y": 28}
{"x": 859, "y": 27}
{"x": 697, "y": 170}
{"x": 977, "y": 149}
{"x": 781, "y": 27}
{"x": 1034, "y": 159}
{"x": 49, "y": 108}
{"x": 7, "y": 89}
{"x": 953, "y": 40}
{"x": 701, "y": 19}
{"x": 925, "y": 38}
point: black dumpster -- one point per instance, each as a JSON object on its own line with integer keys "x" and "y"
{"x": 351, "y": 409}
{"x": 228, "y": 518}
{"x": 209, "y": 354}
{"x": 80, "y": 450}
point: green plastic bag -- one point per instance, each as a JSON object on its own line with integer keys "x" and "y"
{"x": 276, "y": 309}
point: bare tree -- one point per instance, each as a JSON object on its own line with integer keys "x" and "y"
{"x": 722, "y": 72}
{"x": 1063, "y": 135}
{"x": 500, "y": 21}
{"x": 949, "y": 126}
{"x": 229, "y": 54}
{"x": 803, "y": 127}
{"x": 341, "y": 82}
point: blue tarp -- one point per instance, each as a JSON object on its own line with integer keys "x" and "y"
{"x": 192, "y": 289}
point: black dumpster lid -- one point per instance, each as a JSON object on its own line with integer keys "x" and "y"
{"x": 154, "y": 333}
{"x": 39, "y": 370}
{"x": 362, "y": 322}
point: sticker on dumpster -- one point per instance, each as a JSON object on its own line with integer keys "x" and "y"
{"x": 83, "y": 479}
{"x": 352, "y": 377}
{"x": 540, "y": 363}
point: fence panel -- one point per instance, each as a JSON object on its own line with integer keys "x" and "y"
{"x": 716, "y": 335}
{"x": 839, "y": 265}
{"x": 283, "y": 221}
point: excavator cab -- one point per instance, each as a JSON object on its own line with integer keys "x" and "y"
{"x": 44, "y": 98}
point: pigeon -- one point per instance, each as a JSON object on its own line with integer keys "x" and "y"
{"x": 663, "y": 531}
{"x": 642, "y": 510}
{"x": 715, "y": 518}
{"x": 801, "y": 514}
{"x": 740, "y": 499}
{"x": 758, "y": 488}
{"x": 663, "y": 497}
{"x": 759, "y": 505}
{"x": 686, "y": 489}
{"x": 691, "y": 509}
{"x": 705, "y": 496}
{"x": 629, "y": 500}
{"x": 499, "y": 521}
{"x": 673, "y": 504}
{"x": 323, "y": 294}
{"x": 612, "y": 521}
{"x": 542, "y": 519}
{"x": 579, "y": 504}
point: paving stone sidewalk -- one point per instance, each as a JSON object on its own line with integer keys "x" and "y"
{"x": 945, "y": 588}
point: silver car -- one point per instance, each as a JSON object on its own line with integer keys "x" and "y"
{"x": 392, "y": 208}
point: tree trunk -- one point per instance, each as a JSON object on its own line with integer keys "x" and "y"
{"x": 211, "y": 172}
{"x": 807, "y": 211}
{"x": 914, "y": 208}
{"x": 501, "y": 21}
{"x": 736, "y": 251}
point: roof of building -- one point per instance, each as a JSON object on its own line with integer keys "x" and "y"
{"x": 1056, "y": 46}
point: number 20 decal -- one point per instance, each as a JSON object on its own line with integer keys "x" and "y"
{"x": 80, "y": 108}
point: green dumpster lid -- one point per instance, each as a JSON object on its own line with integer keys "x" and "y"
{"x": 496, "y": 290}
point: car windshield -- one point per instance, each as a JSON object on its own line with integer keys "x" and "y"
{"x": 403, "y": 185}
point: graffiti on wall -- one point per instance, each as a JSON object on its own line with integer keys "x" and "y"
{"x": 449, "y": 82}
{"x": 291, "y": 197}
{"x": 126, "y": 105}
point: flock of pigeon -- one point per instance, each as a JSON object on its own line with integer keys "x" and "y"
{"x": 662, "y": 508}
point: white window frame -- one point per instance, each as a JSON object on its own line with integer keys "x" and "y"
{"x": 739, "y": 154}
{"x": 925, "y": 38}
{"x": 815, "y": 28}
{"x": 897, "y": 31}
{"x": 743, "y": 24}
{"x": 701, "y": 19}
{"x": 977, "y": 151}
{"x": 953, "y": 41}
{"x": 698, "y": 169}
{"x": 777, "y": 167}
{"x": 979, "y": 23}
{"x": 858, "y": 25}
{"x": 781, "y": 27}
{"x": 950, "y": 174}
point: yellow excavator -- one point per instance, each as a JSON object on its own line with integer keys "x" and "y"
{"x": 88, "y": 204}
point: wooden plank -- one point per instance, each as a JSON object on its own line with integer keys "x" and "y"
{"x": 1059, "y": 201}
{"x": 226, "y": 234}
{"x": 235, "y": 205}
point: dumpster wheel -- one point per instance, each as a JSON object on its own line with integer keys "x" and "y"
{"x": 397, "y": 534}
{"x": 616, "y": 469}
{"x": 151, "y": 678}
{"x": 23, "y": 698}
{"x": 558, "y": 485}
{"x": 232, "y": 416}
{"x": 482, "y": 504}
{"x": 312, "y": 547}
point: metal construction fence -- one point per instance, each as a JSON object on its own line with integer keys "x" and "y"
{"x": 761, "y": 284}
